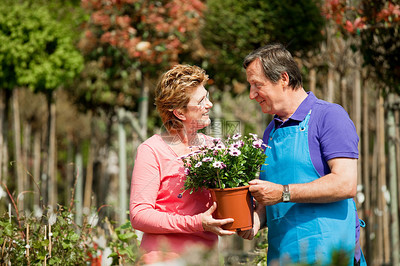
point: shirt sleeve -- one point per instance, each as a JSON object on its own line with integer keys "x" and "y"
{"x": 338, "y": 135}
{"x": 145, "y": 185}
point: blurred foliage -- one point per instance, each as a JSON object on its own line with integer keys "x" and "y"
{"x": 66, "y": 242}
{"x": 234, "y": 28}
{"x": 37, "y": 50}
{"x": 125, "y": 244}
{"x": 127, "y": 42}
{"x": 374, "y": 25}
{"x": 380, "y": 43}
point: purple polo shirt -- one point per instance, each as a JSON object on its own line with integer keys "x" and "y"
{"x": 331, "y": 134}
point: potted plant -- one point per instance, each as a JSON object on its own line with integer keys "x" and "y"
{"x": 225, "y": 168}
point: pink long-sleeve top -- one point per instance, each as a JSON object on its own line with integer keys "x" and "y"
{"x": 169, "y": 219}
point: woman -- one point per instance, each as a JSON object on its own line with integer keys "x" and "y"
{"x": 173, "y": 221}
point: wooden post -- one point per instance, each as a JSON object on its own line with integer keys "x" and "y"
{"x": 366, "y": 169}
{"x": 383, "y": 204}
{"x": 36, "y": 163}
{"x": 27, "y": 243}
{"x": 2, "y": 109}
{"x": 52, "y": 189}
{"x": 79, "y": 188}
{"x": 89, "y": 171}
{"x": 17, "y": 148}
{"x": 394, "y": 213}
{"x": 123, "y": 204}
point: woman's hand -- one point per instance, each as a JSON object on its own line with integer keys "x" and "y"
{"x": 214, "y": 225}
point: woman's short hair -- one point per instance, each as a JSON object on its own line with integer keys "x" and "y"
{"x": 275, "y": 60}
{"x": 174, "y": 90}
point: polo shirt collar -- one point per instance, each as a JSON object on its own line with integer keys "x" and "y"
{"x": 301, "y": 112}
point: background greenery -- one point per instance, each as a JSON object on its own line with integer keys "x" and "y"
{"x": 76, "y": 97}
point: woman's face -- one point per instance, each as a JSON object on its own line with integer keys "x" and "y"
{"x": 197, "y": 111}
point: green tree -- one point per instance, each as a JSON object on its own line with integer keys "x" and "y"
{"x": 234, "y": 28}
{"x": 36, "y": 52}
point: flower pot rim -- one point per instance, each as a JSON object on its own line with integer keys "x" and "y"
{"x": 228, "y": 189}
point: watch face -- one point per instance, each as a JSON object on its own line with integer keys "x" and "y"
{"x": 286, "y": 197}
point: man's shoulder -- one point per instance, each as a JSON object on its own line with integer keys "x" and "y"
{"x": 326, "y": 109}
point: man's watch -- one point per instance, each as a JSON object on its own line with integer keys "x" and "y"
{"x": 286, "y": 193}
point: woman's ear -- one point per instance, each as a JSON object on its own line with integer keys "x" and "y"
{"x": 179, "y": 114}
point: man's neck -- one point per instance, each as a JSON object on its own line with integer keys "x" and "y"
{"x": 295, "y": 98}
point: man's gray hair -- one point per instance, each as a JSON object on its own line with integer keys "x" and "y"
{"x": 276, "y": 60}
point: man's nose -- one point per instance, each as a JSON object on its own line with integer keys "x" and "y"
{"x": 253, "y": 94}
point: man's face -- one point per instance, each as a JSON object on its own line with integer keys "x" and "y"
{"x": 269, "y": 95}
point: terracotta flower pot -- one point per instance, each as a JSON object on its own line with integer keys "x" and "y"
{"x": 235, "y": 203}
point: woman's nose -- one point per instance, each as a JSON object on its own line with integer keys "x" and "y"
{"x": 209, "y": 104}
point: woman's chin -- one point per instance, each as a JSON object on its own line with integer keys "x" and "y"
{"x": 205, "y": 123}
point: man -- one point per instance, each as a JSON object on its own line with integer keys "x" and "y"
{"x": 309, "y": 178}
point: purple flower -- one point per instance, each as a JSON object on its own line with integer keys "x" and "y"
{"x": 187, "y": 171}
{"x": 255, "y": 137}
{"x": 257, "y": 143}
{"x": 207, "y": 159}
{"x": 198, "y": 164}
{"x": 182, "y": 157}
{"x": 219, "y": 164}
{"x": 236, "y": 136}
{"x": 216, "y": 140}
{"x": 237, "y": 144}
{"x": 234, "y": 152}
{"x": 219, "y": 146}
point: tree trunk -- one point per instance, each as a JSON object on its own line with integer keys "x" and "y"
{"x": 366, "y": 162}
{"x": 79, "y": 188}
{"x": 394, "y": 221}
{"x": 144, "y": 104}
{"x": 343, "y": 94}
{"x": 36, "y": 164}
{"x": 17, "y": 149}
{"x": 330, "y": 91}
{"x": 26, "y": 152}
{"x": 123, "y": 206}
{"x": 397, "y": 122}
{"x": 70, "y": 168}
{"x": 357, "y": 116}
{"x": 4, "y": 148}
{"x": 104, "y": 181}
{"x": 51, "y": 172}
{"x": 313, "y": 80}
{"x": 382, "y": 203}
{"x": 89, "y": 170}
{"x": 376, "y": 235}
{"x": 2, "y": 109}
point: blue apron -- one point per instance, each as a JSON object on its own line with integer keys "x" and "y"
{"x": 303, "y": 232}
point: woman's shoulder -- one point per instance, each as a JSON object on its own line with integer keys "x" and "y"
{"x": 153, "y": 142}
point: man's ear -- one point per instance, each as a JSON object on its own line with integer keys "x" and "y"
{"x": 285, "y": 79}
{"x": 179, "y": 114}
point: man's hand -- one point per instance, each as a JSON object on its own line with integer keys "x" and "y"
{"x": 259, "y": 222}
{"x": 214, "y": 225}
{"x": 266, "y": 193}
